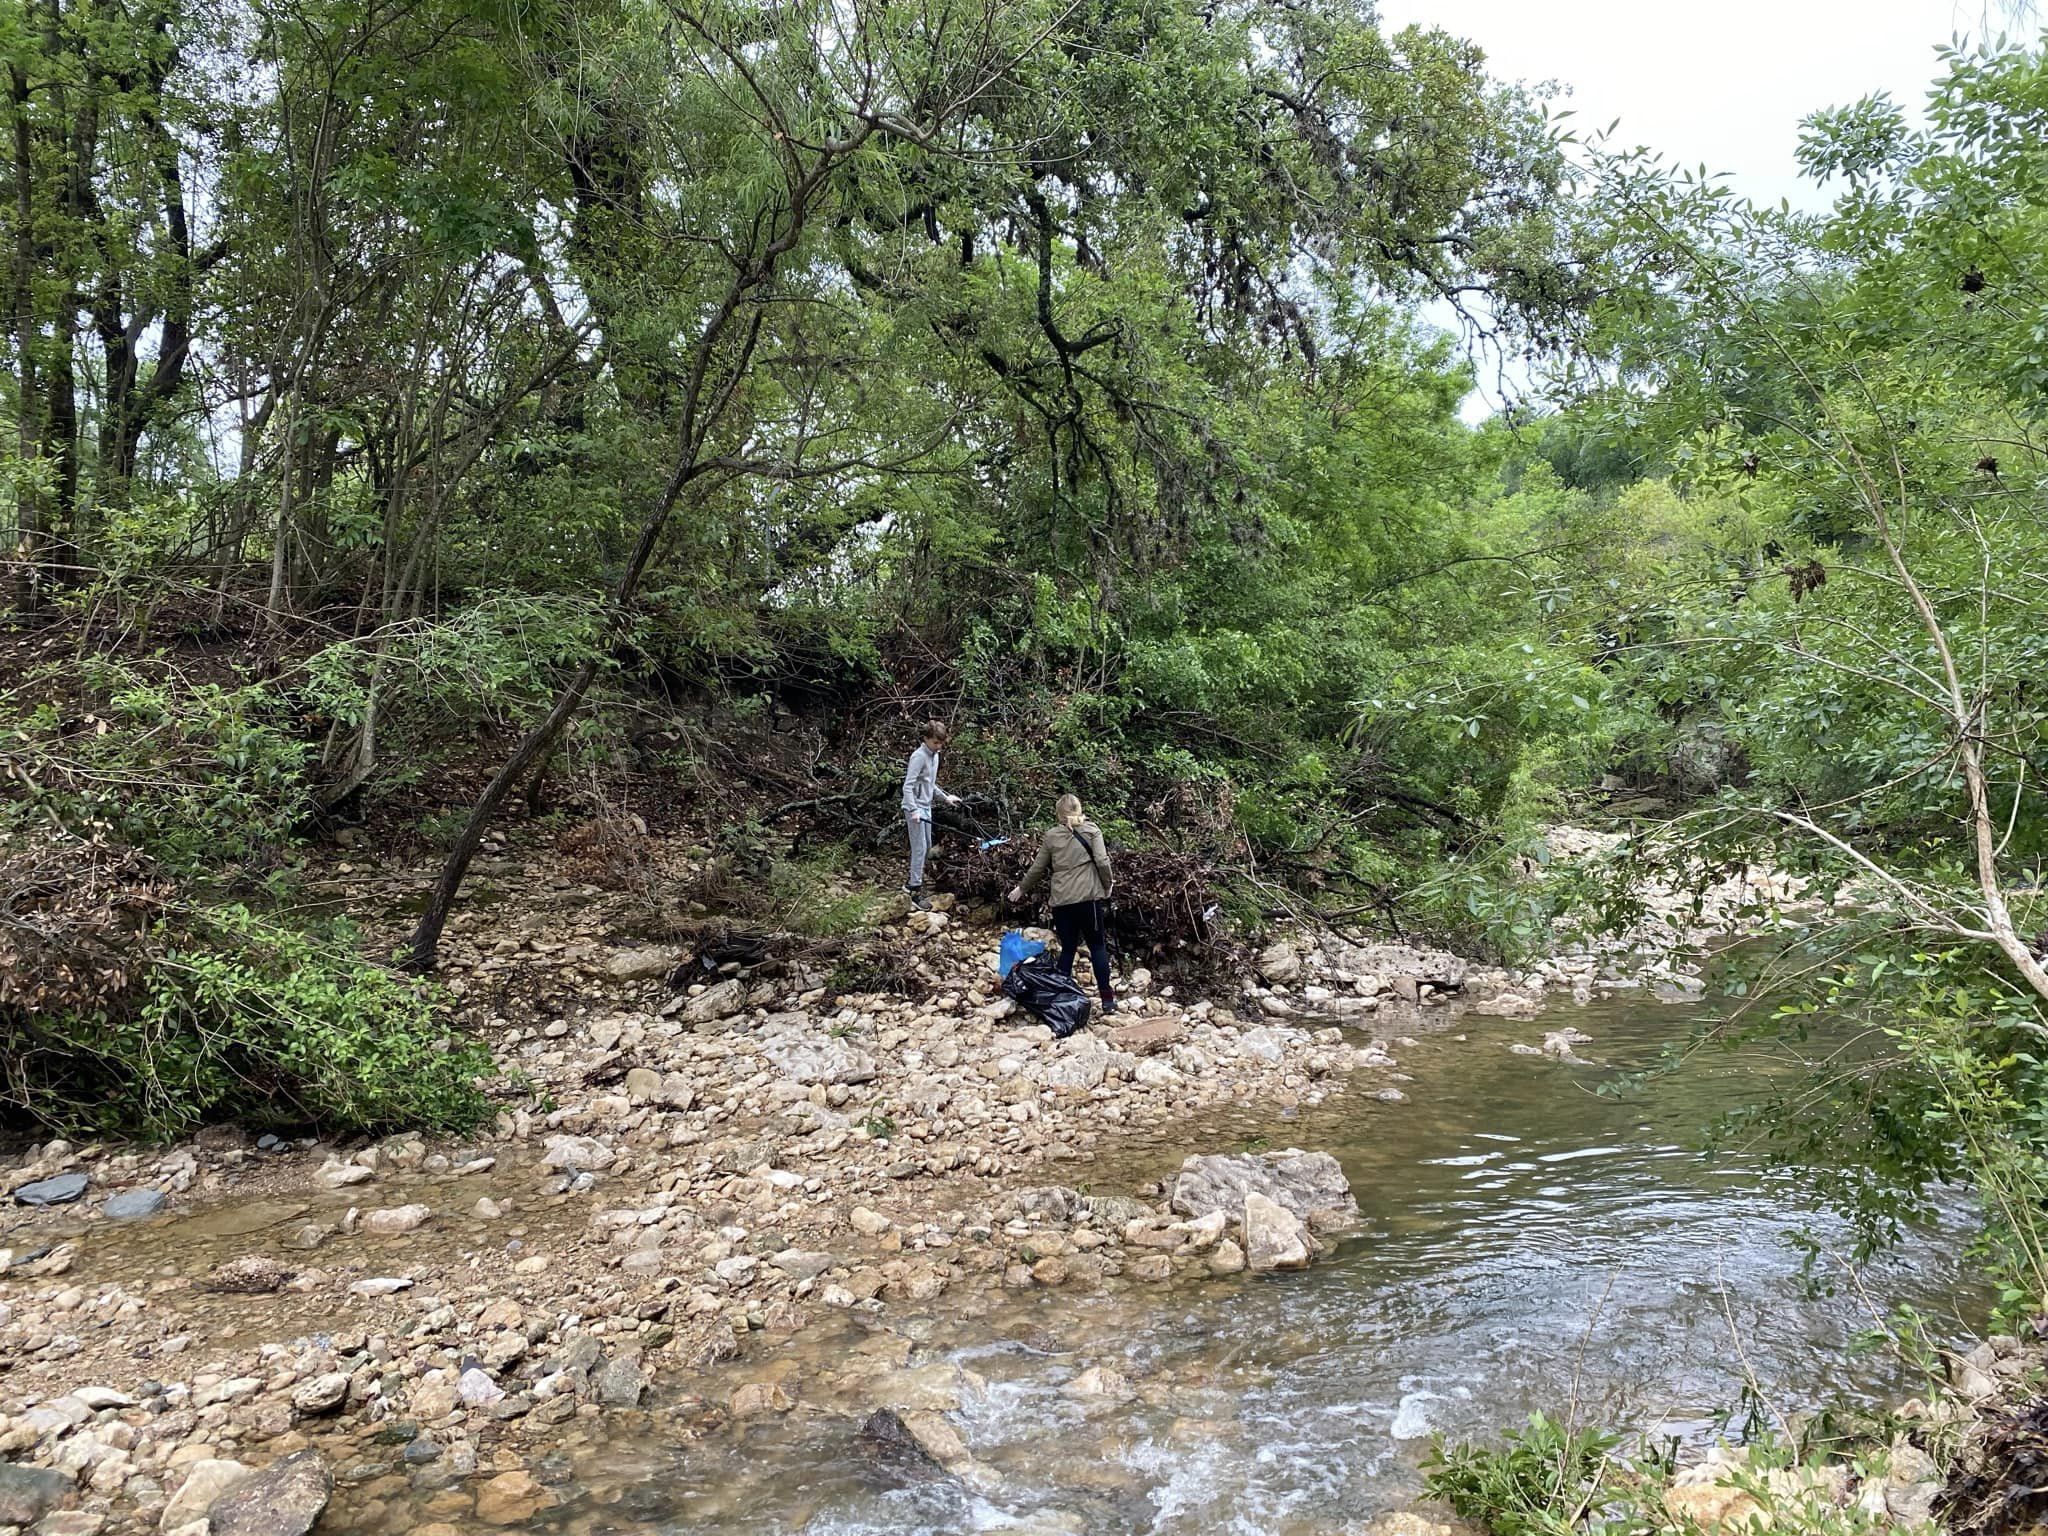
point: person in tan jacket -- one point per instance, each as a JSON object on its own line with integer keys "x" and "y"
{"x": 1072, "y": 853}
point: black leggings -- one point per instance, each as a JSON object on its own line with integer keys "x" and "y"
{"x": 1080, "y": 921}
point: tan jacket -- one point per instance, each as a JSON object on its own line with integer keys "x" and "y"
{"x": 1078, "y": 862}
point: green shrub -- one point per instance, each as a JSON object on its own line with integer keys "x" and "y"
{"x": 1545, "y": 1479}
{"x": 232, "y": 1016}
{"x": 195, "y": 775}
{"x": 808, "y": 898}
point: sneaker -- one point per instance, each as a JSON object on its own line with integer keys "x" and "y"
{"x": 1108, "y": 1006}
{"x": 918, "y": 899}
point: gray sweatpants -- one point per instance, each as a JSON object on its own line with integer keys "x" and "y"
{"x": 920, "y": 845}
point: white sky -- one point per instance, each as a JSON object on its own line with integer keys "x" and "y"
{"x": 1725, "y": 83}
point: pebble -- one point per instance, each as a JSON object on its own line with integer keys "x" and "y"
{"x": 325, "y": 1393}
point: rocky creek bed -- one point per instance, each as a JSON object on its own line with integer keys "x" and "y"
{"x": 215, "y": 1337}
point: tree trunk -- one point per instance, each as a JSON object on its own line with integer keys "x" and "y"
{"x": 424, "y": 950}
{"x": 28, "y": 547}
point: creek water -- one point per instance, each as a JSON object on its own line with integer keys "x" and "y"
{"x": 1528, "y": 1243}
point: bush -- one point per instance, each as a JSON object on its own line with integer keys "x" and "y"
{"x": 1545, "y": 1479}
{"x": 121, "y": 1013}
{"x": 194, "y": 775}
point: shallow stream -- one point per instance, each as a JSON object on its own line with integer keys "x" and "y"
{"x": 1528, "y": 1242}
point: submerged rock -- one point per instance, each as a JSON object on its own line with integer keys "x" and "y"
{"x": 134, "y": 1205}
{"x": 511, "y": 1498}
{"x": 919, "y": 1432}
{"x": 251, "y": 1275}
{"x": 396, "y": 1220}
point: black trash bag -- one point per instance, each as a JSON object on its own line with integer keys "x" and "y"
{"x": 1055, "y": 1000}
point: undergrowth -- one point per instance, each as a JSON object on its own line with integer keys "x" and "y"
{"x": 228, "y": 1015}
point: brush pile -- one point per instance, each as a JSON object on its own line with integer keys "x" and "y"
{"x": 2002, "y": 1486}
{"x": 1163, "y": 912}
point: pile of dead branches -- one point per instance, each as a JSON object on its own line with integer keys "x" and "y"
{"x": 2002, "y": 1486}
{"x": 75, "y": 924}
{"x": 1163, "y": 912}
{"x": 876, "y": 961}
{"x": 608, "y": 850}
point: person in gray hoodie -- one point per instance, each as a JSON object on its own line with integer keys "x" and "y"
{"x": 920, "y": 788}
{"x": 1072, "y": 853}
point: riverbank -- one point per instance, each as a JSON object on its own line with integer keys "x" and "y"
{"x": 693, "y": 1175}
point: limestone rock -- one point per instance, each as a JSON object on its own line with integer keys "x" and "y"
{"x": 716, "y": 1003}
{"x": 585, "y": 1153}
{"x": 207, "y": 1481}
{"x": 1148, "y": 1036}
{"x": 1228, "y": 1259}
{"x": 1280, "y": 963}
{"x": 1309, "y": 1184}
{"x": 619, "y": 1383}
{"x": 1274, "y": 1237}
{"x": 396, "y": 1220}
{"x": 76, "y": 1522}
{"x": 343, "y": 1175}
{"x": 676, "y": 1092}
{"x": 1083, "y": 1062}
{"x": 284, "y": 1499}
{"x": 823, "y": 1061}
{"x": 646, "y": 964}
{"x": 799, "y": 1264}
{"x": 323, "y": 1394}
{"x": 935, "y": 1436}
{"x": 476, "y": 1389}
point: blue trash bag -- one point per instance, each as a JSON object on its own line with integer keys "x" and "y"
{"x": 1016, "y": 947}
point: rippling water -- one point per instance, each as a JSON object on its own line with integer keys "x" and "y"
{"x": 1527, "y": 1242}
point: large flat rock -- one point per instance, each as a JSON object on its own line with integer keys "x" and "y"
{"x": 1309, "y": 1184}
